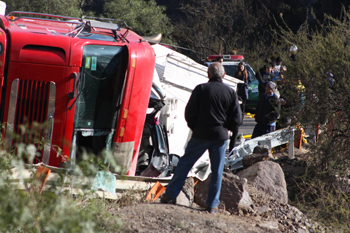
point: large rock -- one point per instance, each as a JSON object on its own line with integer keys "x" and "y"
{"x": 234, "y": 198}
{"x": 260, "y": 153}
{"x": 268, "y": 177}
{"x": 186, "y": 196}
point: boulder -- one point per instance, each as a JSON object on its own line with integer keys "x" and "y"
{"x": 260, "y": 153}
{"x": 268, "y": 176}
{"x": 264, "y": 149}
{"x": 234, "y": 198}
{"x": 186, "y": 196}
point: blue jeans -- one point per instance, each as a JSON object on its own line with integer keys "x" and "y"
{"x": 194, "y": 150}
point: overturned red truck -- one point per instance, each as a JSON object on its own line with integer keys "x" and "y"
{"x": 68, "y": 84}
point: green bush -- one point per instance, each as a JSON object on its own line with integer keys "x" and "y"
{"x": 324, "y": 190}
{"x": 25, "y": 210}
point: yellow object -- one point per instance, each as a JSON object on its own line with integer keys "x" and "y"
{"x": 298, "y": 127}
{"x": 300, "y": 87}
{"x": 244, "y": 136}
{"x": 303, "y": 134}
{"x": 250, "y": 115}
{"x": 304, "y": 140}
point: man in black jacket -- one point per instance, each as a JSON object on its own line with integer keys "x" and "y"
{"x": 267, "y": 111}
{"x": 211, "y": 110}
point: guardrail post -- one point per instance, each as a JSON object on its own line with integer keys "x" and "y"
{"x": 291, "y": 149}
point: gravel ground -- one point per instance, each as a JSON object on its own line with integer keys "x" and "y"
{"x": 267, "y": 215}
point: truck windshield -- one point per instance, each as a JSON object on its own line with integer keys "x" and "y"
{"x": 100, "y": 86}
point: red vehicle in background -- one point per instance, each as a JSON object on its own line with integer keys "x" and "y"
{"x": 73, "y": 84}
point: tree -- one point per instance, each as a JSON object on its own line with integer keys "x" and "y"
{"x": 144, "y": 17}
{"x": 322, "y": 65}
{"x": 71, "y": 8}
{"x": 219, "y": 26}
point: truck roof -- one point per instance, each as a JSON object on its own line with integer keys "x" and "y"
{"x": 85, "y": 27}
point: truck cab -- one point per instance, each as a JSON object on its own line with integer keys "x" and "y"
{"x": 73, "y": 85}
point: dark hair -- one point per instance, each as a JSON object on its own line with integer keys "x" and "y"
{"x": 219, "y": 58}
{"x": 239, "y": 73}
{"x": 278, "y": 59}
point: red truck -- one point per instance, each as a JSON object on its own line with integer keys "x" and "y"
{"x": 73, "y": 84}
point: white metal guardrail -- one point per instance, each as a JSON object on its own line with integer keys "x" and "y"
{"x": 233, "y": 160}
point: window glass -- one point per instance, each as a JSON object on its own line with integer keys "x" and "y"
{"x": 100, "y": 86}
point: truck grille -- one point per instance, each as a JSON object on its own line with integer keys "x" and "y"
{"x": 30, "y": 117}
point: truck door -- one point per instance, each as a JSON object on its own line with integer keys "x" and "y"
{"x": 99, "y": 97}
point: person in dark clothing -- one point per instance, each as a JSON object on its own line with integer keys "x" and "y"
{"x": 220, "y": 59}
{"x": 263, "y": 77}
{"x": 242, "y": 88}
{"x": 211, "y": 111}
{"x": 242, "y": 92}
{"x": 267, "y": 111}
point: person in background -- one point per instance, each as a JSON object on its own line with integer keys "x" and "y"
{"x": 263, "y": 77}
{"x": 242, "y": 88}
{"x": 273, "y": 67}
{"x": 242, "y": 92}
{"x": 211, "y": 111}
{"x": 293, "y": 52}
{"x": 220, "y": 59}
{"x": 278, "y": 78}
{"x": 267, "y": 111}
{"x": 278, "y": 65}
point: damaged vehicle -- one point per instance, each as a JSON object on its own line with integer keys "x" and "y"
{"x": 154, "y": 158}
{"x": 71, "y": 83}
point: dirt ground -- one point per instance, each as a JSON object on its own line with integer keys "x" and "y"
{"x": 156, "y": 217}
{"x": 174, "y": 218}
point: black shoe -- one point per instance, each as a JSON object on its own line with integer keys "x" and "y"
{"x": 167, "y": 200}
{"x": 213, "y": 210}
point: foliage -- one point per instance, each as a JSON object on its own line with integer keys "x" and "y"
{"x": 322, "y": 66}
{"x": 25, "y": 210}
{"x": 223, "y": 26}
{"x": 71, "y": 8}
{"x": 324, "y": 199}
{"x": 144, "y": 17}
